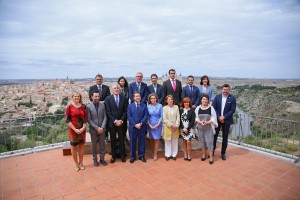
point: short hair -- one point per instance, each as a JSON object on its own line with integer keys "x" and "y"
{"x": 204, "y": 77}
{"x": 204, "y": 95}
{"x": 126, "y": 82}
{"x": 139, "y": 73}
{"x": 151, "y": 95}
{"x": 166, "y": 99}
{"x": 115, "y": 85}
{"x": 154, "y": 75}
{"x": 190, "y": 76}
{"x": 99, "y": 75}
{"x": 95, "y": 91}
{"x": 170, "y": 70}
{"x": 184, "y": 100}
{"x": 136, "y": 92}
{"x": 225, "y": 85}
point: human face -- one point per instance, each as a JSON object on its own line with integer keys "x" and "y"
{"x": 172, "y": 74}
{"x": 122, "y": 82}
{"x": 115, "y": 90}
{"x": 186, "y": 104}
{"x": 137, "y": 97}
{"x": 76, "y": 98}
{"x": 170, "y": 101}
{"x": 153, "y": 100}
{"x": 225, "y": 91}
{"x": 204, "y": 101}
{"x": 154, "y": 80}
{"x": 96, "y": 97}
{"x": 190, "y": 81}
{"x": 139, "y": 77}
{"x": 99, "y": 80}
{"x": 204, "y": 81}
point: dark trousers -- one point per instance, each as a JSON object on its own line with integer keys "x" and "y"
{"x": 134, "y": 137}
{"x": 113, "y": 137}
{"x": 225, "y": 132}
{"x": 98, "y": 139}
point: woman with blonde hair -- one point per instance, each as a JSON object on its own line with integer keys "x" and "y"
{"x": 171, "y": 122}
{"x": 76, "y": 117}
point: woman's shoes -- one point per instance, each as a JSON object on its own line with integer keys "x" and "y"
{"x": 211, "y": 162}
{"x": 77, "y": 169}
{"x": 202, "y": 159}
{"x": 167, "y": 158}
{"x": 185, "y": 159}
{"x": 82, "y": 167}
{"x": 189, "y": 159}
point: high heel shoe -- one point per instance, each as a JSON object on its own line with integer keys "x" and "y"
{"x": 189, "y": 159}
{"x": 202, "y": 159}
{"x": 211, "y": 162}
{"x": 185, "y": 159}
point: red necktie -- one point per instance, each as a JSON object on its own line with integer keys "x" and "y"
{"x": 174, "y": 85}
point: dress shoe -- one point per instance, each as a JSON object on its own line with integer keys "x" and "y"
{"x": 132, "y": 160}
{"x": 211, "y": 162}
{"x": 123, "y": 159}
{"x": 96, "y": 164}
{"x": 223, "y": 157}
{"x": 202, "y": 159}
{"x": 103, "y": 162}
{"x": 174, "y": 158}
{"x": 112, "y": 160}
{"x": 185, "y": 159}
{"x": 167, "y": 158}
{"x": 142, "y": 159}
{"x": 189, "y": 159}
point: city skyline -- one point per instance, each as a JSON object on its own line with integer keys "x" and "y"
{"x": 242, "y": 39}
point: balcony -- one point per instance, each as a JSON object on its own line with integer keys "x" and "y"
{"x": 251, "y": 171}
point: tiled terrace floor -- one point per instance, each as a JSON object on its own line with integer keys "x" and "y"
{"x": 244, "y": 175}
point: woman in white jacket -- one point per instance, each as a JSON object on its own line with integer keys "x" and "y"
{"x": 206, "y": 122}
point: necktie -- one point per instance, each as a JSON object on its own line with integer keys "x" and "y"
{"x": 138, "y": 107}
{"x": 117, "y": 101}
{"x": 100, "y": 89}
{"x": 139, "y": 87}
{"x": 154, "y": 89}
{"x": 174, "y": 85}
{"x": 191, "y": 88}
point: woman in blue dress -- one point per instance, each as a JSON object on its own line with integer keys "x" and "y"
{"x": 206, "y": 88}
{"x": 154, "y": 123}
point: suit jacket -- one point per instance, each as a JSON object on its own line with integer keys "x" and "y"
{"x": 194, "y": 96}
{"x": 229, "y": 108}
{"x": 135, "y": 116}
{"x": 96, "y": 119}
{"x": 159, "y": 92}
{"x": 143, "y": 91}
{"x": 105, "y": 92}
{"x": 170, "y": 118}
{"x": 115, "y": 112}
{"x": 168, "y": 90}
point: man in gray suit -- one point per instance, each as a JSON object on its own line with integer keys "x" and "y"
{"x": 97, "y": 121}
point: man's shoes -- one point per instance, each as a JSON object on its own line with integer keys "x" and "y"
{"x": 142, "y": 159}
{"x": 123, "y": 159}
{"x": 132, "y": 160}
{"x": 96, "y": 164}
{"x": 103, "y": 162}
{"x": 223, "y": 157}
{"x": 112, "y": 160}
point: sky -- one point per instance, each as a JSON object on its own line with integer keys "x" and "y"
{"x": 49, "y": 39}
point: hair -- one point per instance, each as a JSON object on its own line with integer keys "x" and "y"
{"x": 99, "y": 75}
{"x": 136, "y": 92}
{"x": 80, "y": 96}
{"x": 152, "y": 94}
{"x": 204, "y": 77}
{"x": 190, "y": 76}
{"x": 126, "y": 82}
{"x": 154, "y": 75}
{"x": 170, "y": 70}
{"x": 139, "y": 73}
{"x": 95, "y": 91}
{"x": 204, "y": 95}
{"x": 166, "y": 99}
{"x": 115, "y": 85}
{"x": 226, "y": 85}
{"x": 184, "y": 100}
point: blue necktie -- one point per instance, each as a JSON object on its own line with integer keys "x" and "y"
{"x": 117, "y": 101}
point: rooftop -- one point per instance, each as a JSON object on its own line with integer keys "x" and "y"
{"x": 244, "y": 175}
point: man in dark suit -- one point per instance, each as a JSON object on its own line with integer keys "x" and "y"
{"x": 97, "y": 120}
{"x": 137, "y": 115}
{"x": 225, "y": 105}
{"x": 191, "y": 91}
{"x": 157, "y": 89}
{"x": 116, "y": 110}
{"x": 103, "y": 89}
{"x": 139, "y": 87}
{"x": 173, "y": 87}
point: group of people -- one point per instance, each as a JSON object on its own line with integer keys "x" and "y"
{"x": 169, "y": 111}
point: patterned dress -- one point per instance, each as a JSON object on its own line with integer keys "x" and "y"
{"x": 187, "y": 121}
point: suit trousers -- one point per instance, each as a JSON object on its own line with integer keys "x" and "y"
{"x": 98, "y": 139}
{"x": 137, "y": 136}
{"x": 171, "y": 146}
{"x": 225, "y": 132}
{"x": 113, "y": 136}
